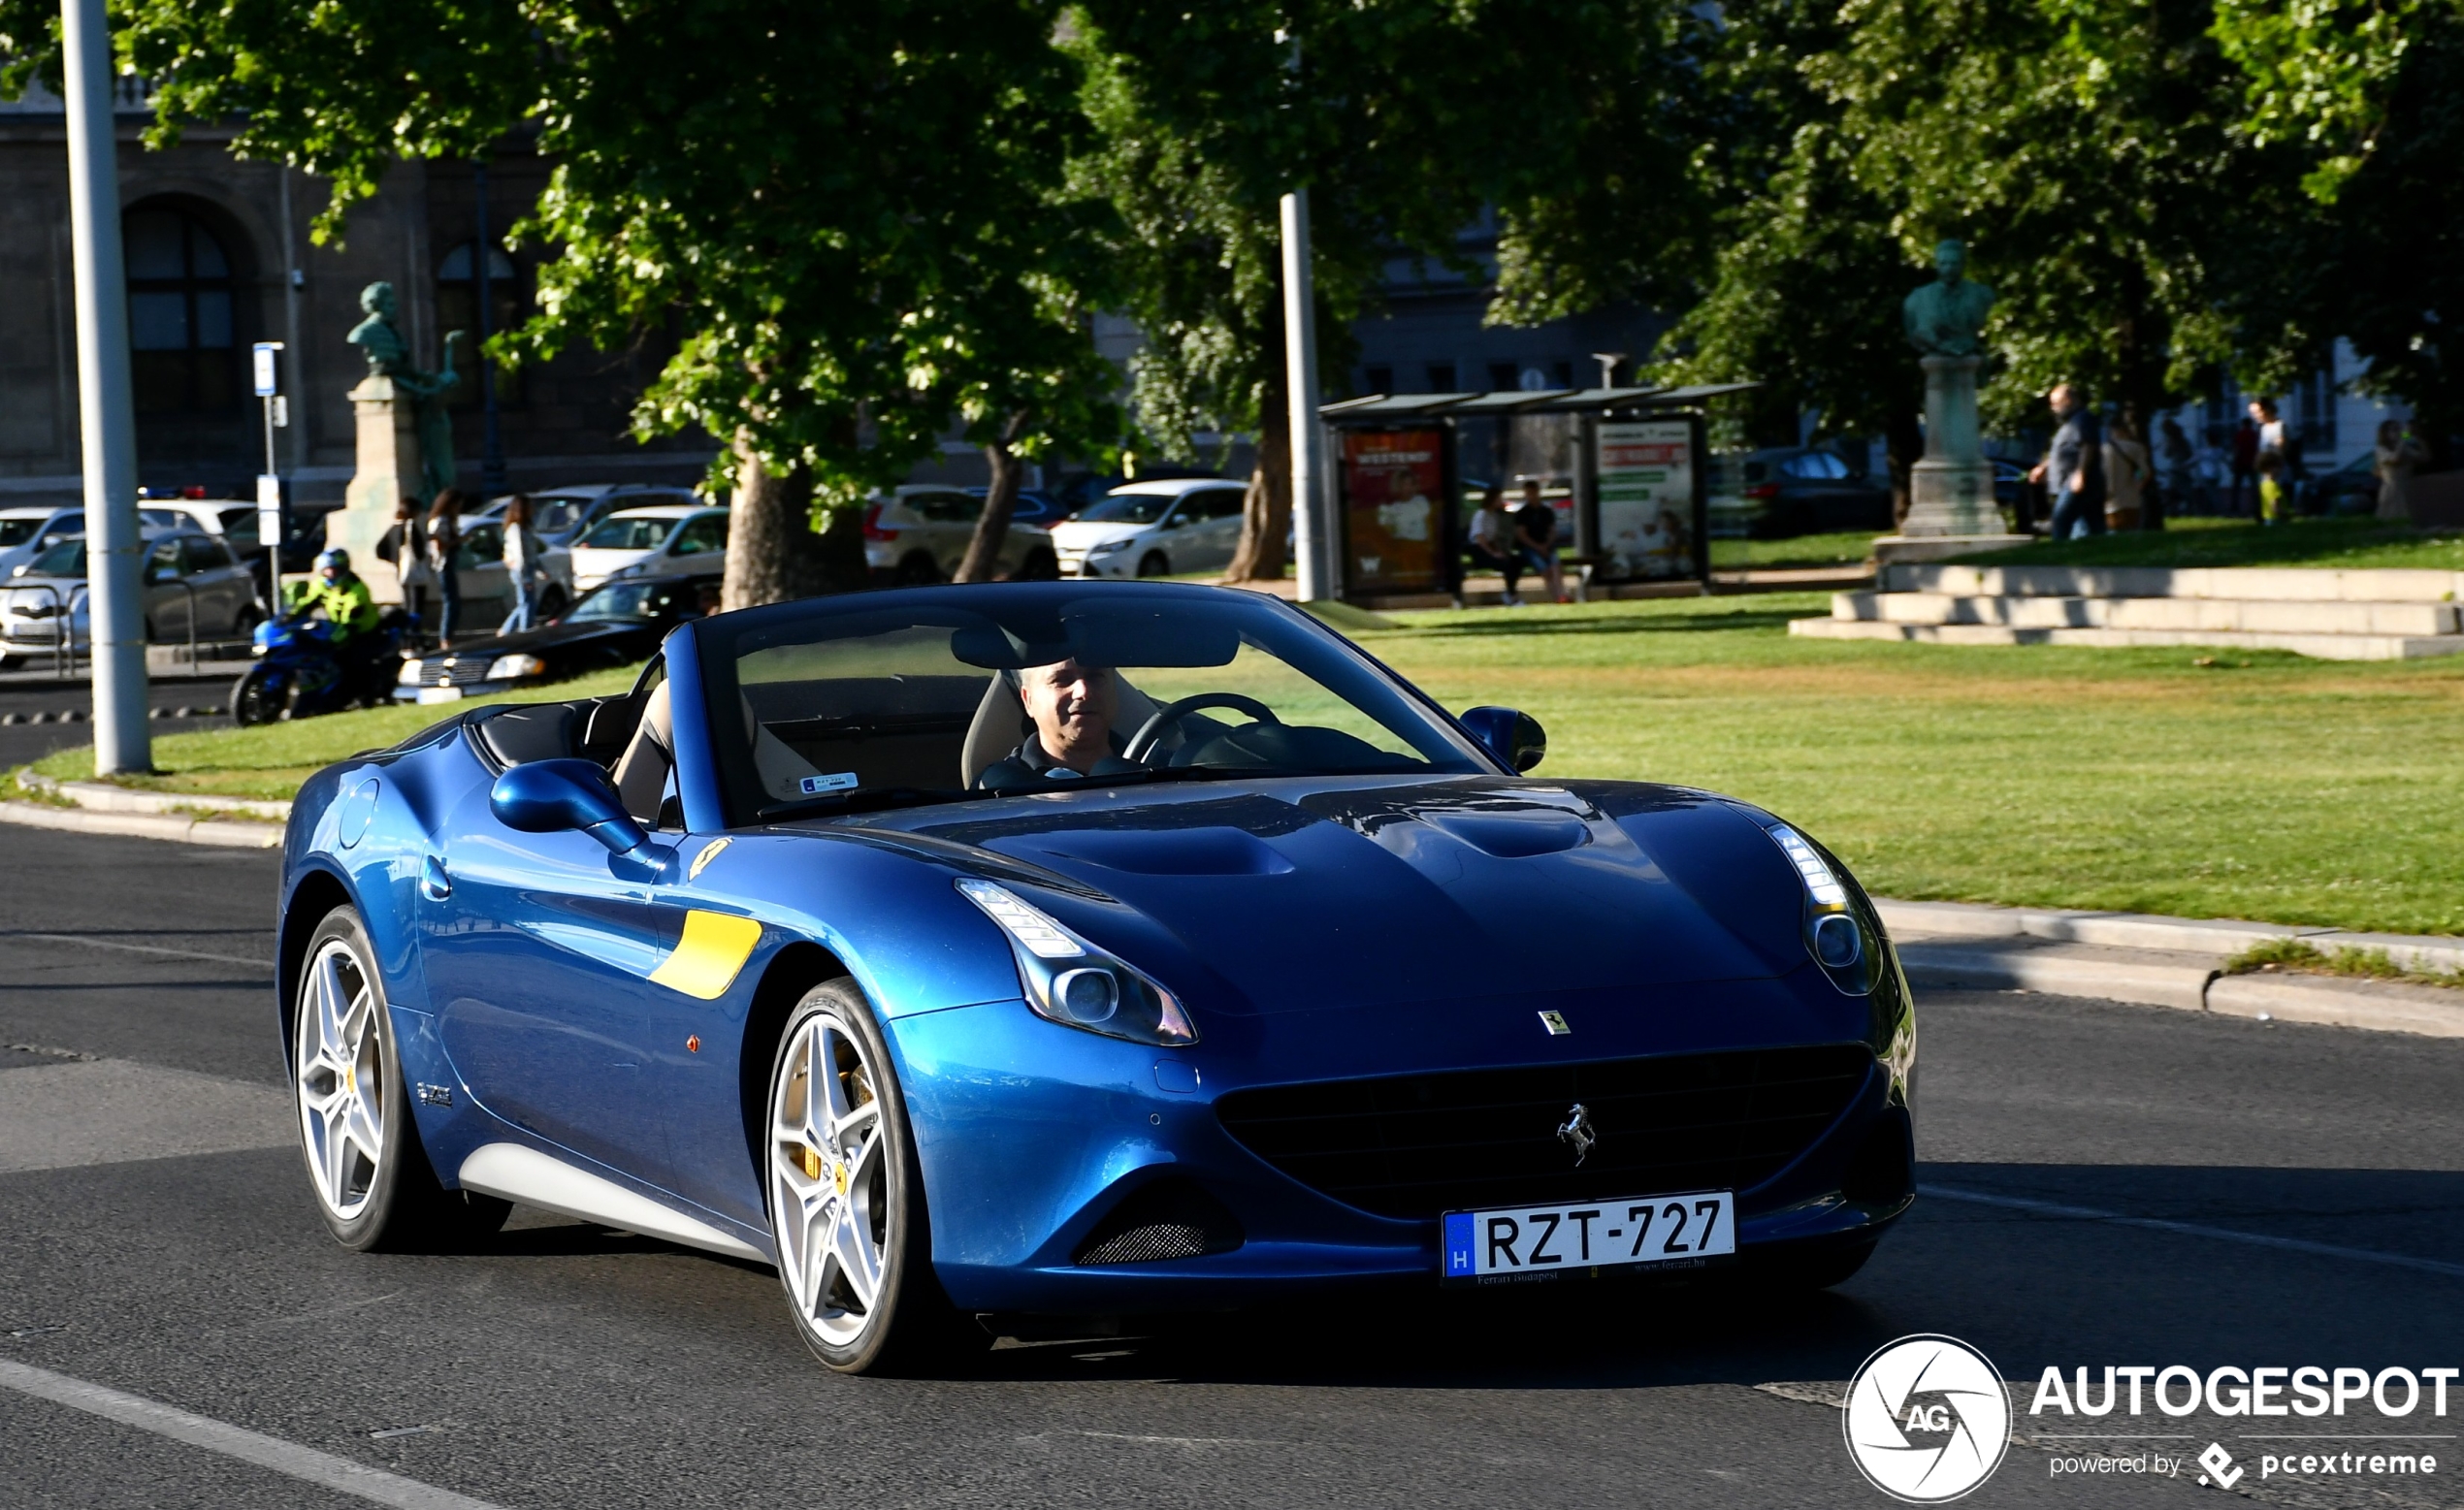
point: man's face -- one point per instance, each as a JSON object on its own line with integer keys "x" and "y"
{"x": 1531, "y": 491}
{"x": 1950, "y": 260}
{"x": 1072, "y": 706}
{"x": 2062, "y": 400}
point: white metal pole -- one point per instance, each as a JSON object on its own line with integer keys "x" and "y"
{"x": 1312, "y": 538}
{"x": 105, "y": 407}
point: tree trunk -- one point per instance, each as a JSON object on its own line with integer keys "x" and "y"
{"x": 1266, "y": 513}
{"x": 774, "y": 554}
{"x": 983, "y": 560}
{"x": 1902, "y": 444}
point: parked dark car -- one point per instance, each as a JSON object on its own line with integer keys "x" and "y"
{"x": 1807, "y": 490}
{"x": 2348, "y": 490}
{"x": 615, "y": 625}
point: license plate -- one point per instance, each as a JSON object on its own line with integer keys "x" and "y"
{"x": 433, "y": 695}
{"x": 1521, "y": 1243}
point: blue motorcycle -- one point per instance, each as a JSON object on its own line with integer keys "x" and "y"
{"x": 300, "y": 672}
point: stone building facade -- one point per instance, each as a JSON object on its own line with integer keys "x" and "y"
{"x": 219, "y": 257}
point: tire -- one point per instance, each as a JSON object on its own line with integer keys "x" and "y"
{"x": 843, "y": 1182}
{"x": 347, "y": 1088}
{"x": 254, "y": 699}
{"x": 552, "y": 605}
{"x": 917, "y": 569}
{"x": 1154, "y": 563}
{"x": 1040, "y": 566}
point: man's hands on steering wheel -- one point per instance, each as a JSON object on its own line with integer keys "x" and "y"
{"x": 1150, "y": 733}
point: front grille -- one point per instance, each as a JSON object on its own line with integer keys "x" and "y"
{"x": 1169, "y": 1219}
{"x": 1415, "y": 1145}
{"x": 461, "y": 673}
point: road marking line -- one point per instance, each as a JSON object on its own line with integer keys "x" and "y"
{"x": 217, "y": 1436}
{"x": 138, "y": 949}
{"x": 2193, "y": 1229}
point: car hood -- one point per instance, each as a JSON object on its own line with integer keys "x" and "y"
{"x": 1079, "y": 533}
{"x": 1323, "y": 892}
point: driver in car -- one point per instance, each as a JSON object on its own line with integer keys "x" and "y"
{"x": 1072, "y": 707}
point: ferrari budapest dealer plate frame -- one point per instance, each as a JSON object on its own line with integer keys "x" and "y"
{"x": 1525, "y": 1243}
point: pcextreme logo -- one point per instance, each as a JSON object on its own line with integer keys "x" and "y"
{"x": 1928, "y": 1419}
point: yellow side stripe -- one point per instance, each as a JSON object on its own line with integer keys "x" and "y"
{"x": 714, "y": 948}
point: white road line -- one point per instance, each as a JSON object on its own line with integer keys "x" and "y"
{"x": 137, "y": 948}
{"x": 2193, "y": 1229}
{"x": 216, "y": 1436}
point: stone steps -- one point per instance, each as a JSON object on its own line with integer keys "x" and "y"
{"x": 2358, "y": 615}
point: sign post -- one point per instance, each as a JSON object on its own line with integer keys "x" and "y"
{"x": 266, "y": 366}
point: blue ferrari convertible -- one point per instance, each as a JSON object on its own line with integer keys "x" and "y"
{"x": 979, "y": 955}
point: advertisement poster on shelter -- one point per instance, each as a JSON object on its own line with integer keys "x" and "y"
{"x": 1394, "y": 510}
{"x": 1646, "y": 500}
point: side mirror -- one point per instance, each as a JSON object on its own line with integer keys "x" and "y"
{"x": 550, "y": 796}
{"x": 1512, "y": 736}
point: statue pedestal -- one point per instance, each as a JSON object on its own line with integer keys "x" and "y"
{"x": 1950, "y": 507}
{"x": 388, "y": 471}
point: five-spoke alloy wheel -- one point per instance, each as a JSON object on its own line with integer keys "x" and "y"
{"x": 846, "y": 1200}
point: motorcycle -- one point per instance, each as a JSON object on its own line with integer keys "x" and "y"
{"x": 300, "y": 673}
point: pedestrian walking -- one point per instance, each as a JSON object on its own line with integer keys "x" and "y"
{"x": 2245, "y": 461}
{"x": 2130, "y": 474}
{"x": 522, "y": 568}
{"x": 1490, "y": 543}
{"x": 1536, "y": 533}
{"x": 2074, "y": 468}
{"x": 403, "y": 546}
{"x": 2397, "y": 456}
{"x": 444, "y": 550}
{"x": 2273, "y": 462}
{"x": 2177, "y": 460}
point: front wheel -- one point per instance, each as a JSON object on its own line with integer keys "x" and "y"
{"x": 257, "y": 697}
{"x": 374, "y": 1187}
{"x": 846, "y": 1196}
{"x": 1155, "y": 564}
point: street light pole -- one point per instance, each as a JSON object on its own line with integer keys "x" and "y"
{"x": 492, "y": 443}
{"x": 1310, "y": 535}
{"x": 105, "y": 405}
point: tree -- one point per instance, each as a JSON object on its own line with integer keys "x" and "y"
{"x": 823, "y": 199}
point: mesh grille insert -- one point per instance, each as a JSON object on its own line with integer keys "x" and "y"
{"x": 1170, "y": 1219}
{"x": 1415, "y": 1145}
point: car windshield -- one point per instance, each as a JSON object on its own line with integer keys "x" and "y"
{"x": 64, "y": 560}
{"x": 1127, "y": 508}
{"x": 629, "y": 532}
{"x": 949, "y": 694}
{"x": 640, "y": 602}
{"x": 17, "y": 532}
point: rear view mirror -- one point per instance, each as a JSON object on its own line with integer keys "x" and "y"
{"x": 550, "y": 796}
{"x": 1512, "y": 736}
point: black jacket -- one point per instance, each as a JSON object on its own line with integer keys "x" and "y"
{"x": 1029, "y": 765}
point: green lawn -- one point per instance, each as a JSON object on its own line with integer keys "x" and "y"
{"x": 2265, "y": 787}
{"x": 2243, "y": 542}
{"x": 1846, "y": 549}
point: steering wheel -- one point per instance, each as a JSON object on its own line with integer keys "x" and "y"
{"x": 1143, "y": 743}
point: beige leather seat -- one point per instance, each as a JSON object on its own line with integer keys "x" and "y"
{"x": 641, "y": 771}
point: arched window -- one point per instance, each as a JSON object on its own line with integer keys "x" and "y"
{"x": 179, "y": 315}
{"x": 457, "y": 310}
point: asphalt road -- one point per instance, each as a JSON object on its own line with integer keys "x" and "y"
{"x": 156, "y": 1238}
{"x": 26, "y": 692}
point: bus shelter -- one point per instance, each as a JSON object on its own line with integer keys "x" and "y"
{"x": 1642, "y": 483}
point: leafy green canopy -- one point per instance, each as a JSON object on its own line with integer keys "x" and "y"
{"x": 854, "y": 214}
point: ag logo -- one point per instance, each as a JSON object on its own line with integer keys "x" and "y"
{"x": 1928, "y": 1419}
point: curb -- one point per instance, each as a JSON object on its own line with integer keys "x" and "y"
{"x": 105, "y": 797}
{"x": 177, "y": 828}
{"x": 2165, "y": 982}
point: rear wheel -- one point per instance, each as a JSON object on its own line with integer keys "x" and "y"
{"x": 257, "y": 697}
{"x": 1154, "y": 563}
{"x": 1040, "y": 566}
{"x": 846, "y": 1196}
{"x": 917, "y": 569}
{"x": 373, "y": 1184}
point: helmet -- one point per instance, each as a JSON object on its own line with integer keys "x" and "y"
{"x": 337, "y": 558}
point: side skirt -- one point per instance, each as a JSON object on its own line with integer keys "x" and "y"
{"x": 530, "y": 1177}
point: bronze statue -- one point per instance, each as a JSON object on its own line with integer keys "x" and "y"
{"x": 1946, "y": 317}
{"x": 389, "y": 357}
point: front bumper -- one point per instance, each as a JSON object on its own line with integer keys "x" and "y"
{"x": 1031, "y": 1135}
{"x": 1080, "y": 564}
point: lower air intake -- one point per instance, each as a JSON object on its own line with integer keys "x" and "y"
{"x": 1170, "y": 1219}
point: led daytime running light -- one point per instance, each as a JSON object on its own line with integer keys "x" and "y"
{"x": 1028, "y": 927}
{"x": 1820, "y": 883}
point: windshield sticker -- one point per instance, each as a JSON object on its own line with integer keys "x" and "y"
{"x": 814, "y": 785}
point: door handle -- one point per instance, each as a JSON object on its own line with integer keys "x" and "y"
{"x": 433, "y": 884}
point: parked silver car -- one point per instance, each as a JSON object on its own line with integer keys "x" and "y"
{"x": 1154, "y": 529}
{"x": 190, "y": 579}
{"x": 920, "y": 534}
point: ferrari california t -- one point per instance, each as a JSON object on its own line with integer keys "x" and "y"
{"x": 980, "y": 954}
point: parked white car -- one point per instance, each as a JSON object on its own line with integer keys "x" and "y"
{"x": 28, "y": 529}
{"x": 188, "y": 574}
{"x": 1154, "y": 529}
{"x": 560, "y": 516}
{"x": 661, "y": 540}
{"x": 920, "y": 535}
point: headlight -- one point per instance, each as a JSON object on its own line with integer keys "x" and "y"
{"x": 408, "y": 676}
{"x": 1109, "y": 547}
{"x": 1077, "y": 984}
{"x": 505, "y": 666}
{"x": 1833, "y": 934}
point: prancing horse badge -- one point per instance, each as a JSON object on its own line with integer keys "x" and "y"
{"x": 1578, "y": 1132}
